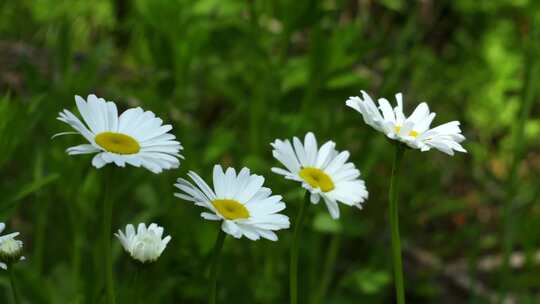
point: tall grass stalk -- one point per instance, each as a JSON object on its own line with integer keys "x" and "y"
{"x": 16, "y": 297}
{"x": 393, "y": 215}
{"x": 329, "y": 265}
{"x": 42, "y": 216}
{"x": 532, "y": 77}
{"x": 293, "y": 269}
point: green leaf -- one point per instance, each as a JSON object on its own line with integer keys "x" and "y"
{"x": 346, "y": 80}
{"x": 25, "y": 191}
{"x": 372, "y": 281}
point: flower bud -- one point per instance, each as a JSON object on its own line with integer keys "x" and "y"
{"x": 10, "y": 251}
{"x": 144, "y": 245}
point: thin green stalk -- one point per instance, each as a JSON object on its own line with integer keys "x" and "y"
{"x": 136, "y": 285}
{"x": 532, "y": 75}
{"x": 214, "y": 266}
{"x": 16, "y": 297}
{"x": 394, "y": 223}
{"x": 107, "y": 218}
{"x": 42, "y": 217}
{"x": 293, "y": 275}
{"x": 329, "y": 264}
{"x": 76, "y": 253}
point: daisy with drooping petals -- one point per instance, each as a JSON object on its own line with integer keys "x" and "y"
{"x": 323, "y": 171}
{"x": 136, "y": 137}
{"x": 414, "y": 130}
{"x": 240, "y": 201}
{"x": 144, "y": 245}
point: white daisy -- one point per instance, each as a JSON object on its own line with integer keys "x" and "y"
{"x": 240, "y": 201}
{"x": 414, "y": 130}
{"x": 10, "y": 248}
{"x": 136, "y": 137}
{"x": 324, "y": 172}
{"x": 145, "y": 245}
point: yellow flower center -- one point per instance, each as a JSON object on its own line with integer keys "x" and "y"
{"x": 411, "y": 133}
{"x": 316, "y": 178}
{"x": 230, "y": 209}
{"x": 117, "y": 143}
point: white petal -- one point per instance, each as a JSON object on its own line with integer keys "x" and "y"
{"x": 332, "y": 206}
{"x": 210, "y": 216}
{"x": 98, "y": 161}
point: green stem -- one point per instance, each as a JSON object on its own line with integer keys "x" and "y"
{"x": 329, "y": 264}
{"x": 214, "y": 266}
{"x": 16, "y": 297}
{"x": 532, "y": 75}
{"x": 293, "y": 275}
{"x": 107, "y": 218}
{"x": 394, "y": 223}
{"x": 136, "y": 285}
{"x": 42, "y": 217}
{"x": 76, "y": 254}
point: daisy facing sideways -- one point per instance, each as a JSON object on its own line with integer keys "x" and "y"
{"x": 414, "y": 130}
{"x": 240, "y": 201}
{"x": 323, "y": 171}
{"x": 136, "y": 137}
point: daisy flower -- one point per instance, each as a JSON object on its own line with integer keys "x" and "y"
{"x": 240, "y": 201}
{"x": 323, "y": 171}
{"x": 414, "y": 130}
{"x": 10, "y": 248}
{"x": 135, "y": 137}
{"x": 144, "y": 245}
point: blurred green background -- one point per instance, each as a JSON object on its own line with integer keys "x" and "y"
{"x": 232, "y": 76}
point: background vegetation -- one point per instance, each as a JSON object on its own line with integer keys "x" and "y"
{"x": 231, "y": 76}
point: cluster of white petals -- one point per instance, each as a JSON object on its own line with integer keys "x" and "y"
{"x": 144, "y": 245}
{"x": 10, "y": 248}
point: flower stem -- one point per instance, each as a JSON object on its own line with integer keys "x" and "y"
{"x": 136, "y": 283}
{"x": 214, "y": 266}
{"x": 107, "y": 217}
{"x": 293, "y": 269}
{"x": 16, "y": 297}
{"x": 394, "y": 223}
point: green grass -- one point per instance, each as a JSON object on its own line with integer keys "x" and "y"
{"x": 231, "y": 76}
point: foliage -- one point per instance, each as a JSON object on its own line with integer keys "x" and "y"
{"x": 232, "y": 76}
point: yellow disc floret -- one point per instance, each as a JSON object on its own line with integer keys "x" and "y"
{"x": 117, "y": 143}
{"x": 316, "y": 178}
{"x": 412, "y": 133}
{"x": 230, "y": 209}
